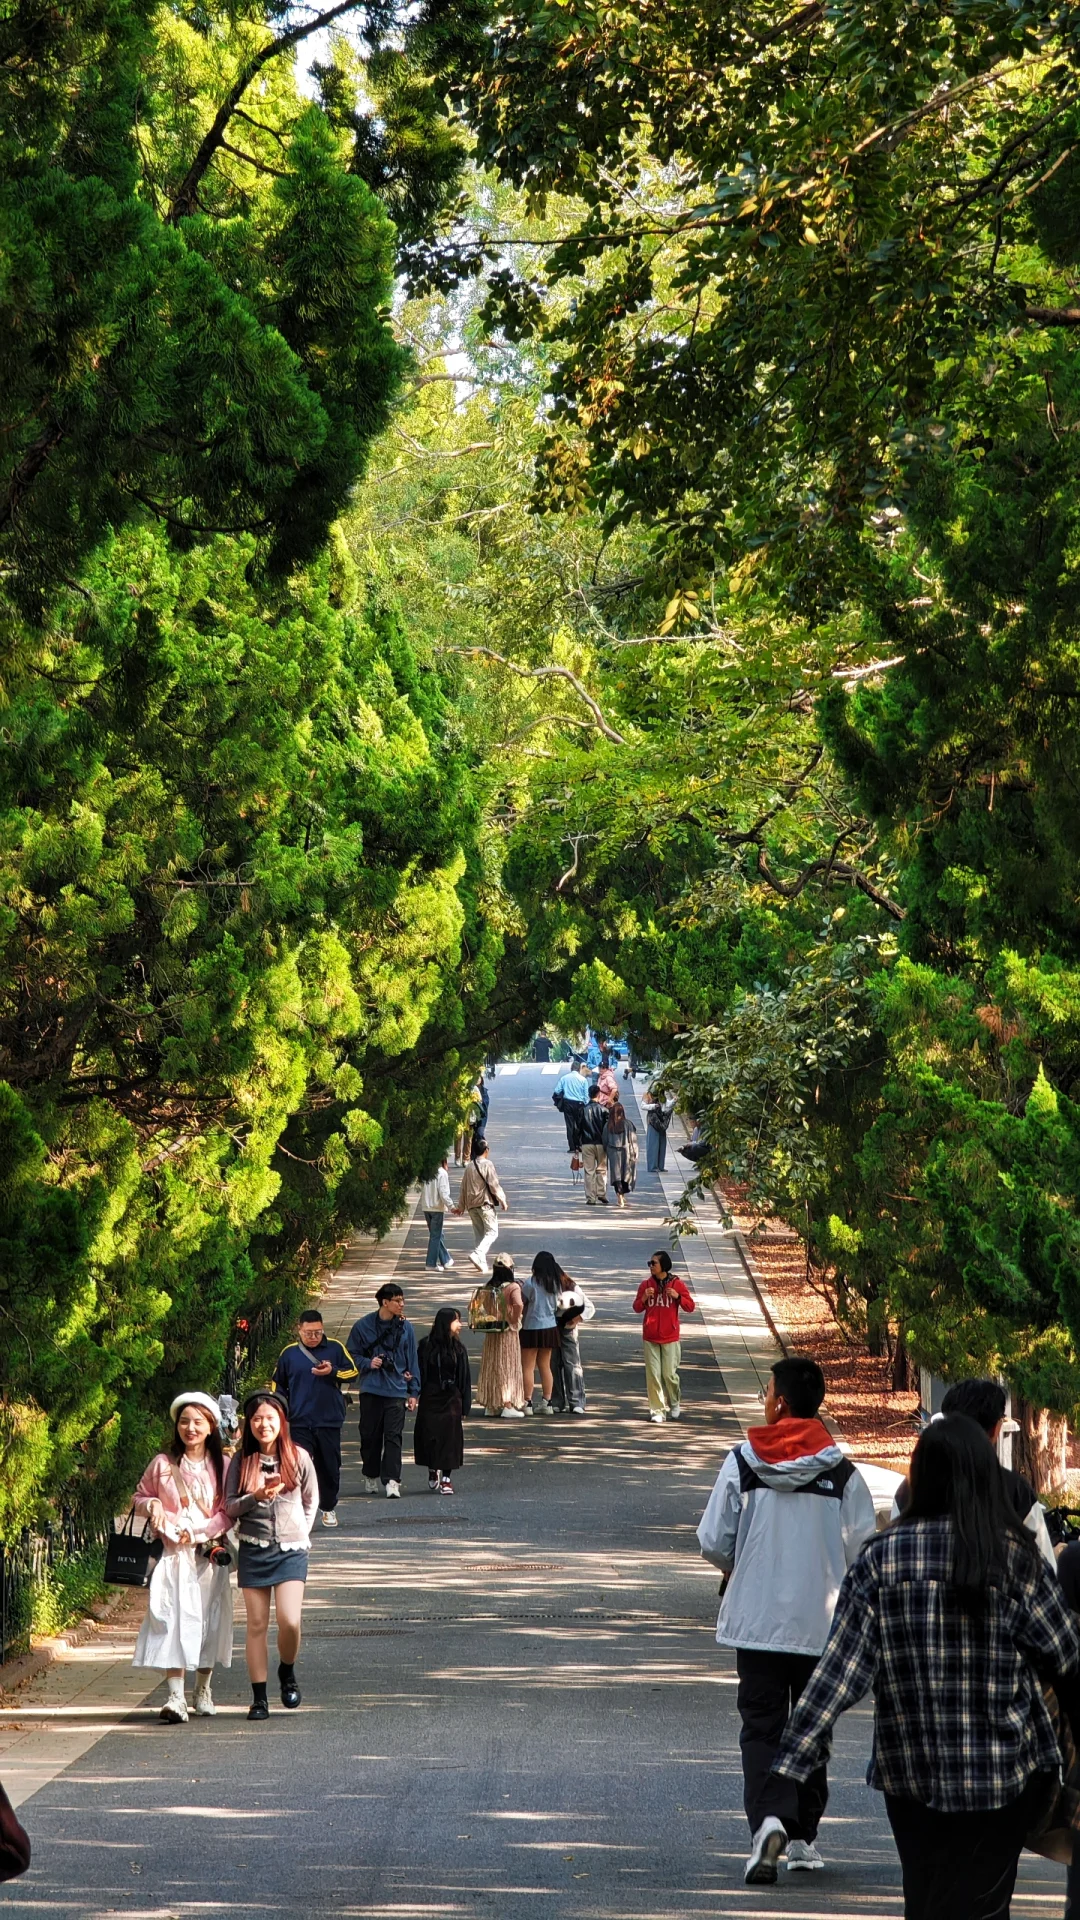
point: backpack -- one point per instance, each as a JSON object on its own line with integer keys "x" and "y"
{"x": 487, "y": 1310}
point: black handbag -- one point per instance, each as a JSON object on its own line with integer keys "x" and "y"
{"x": 130, "y": 1558}
{"x": 694, "y": 1150}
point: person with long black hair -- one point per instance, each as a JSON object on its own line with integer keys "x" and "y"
{"x": 539, "y": 1332}
{"x": 272, "y": 1492}
{"x": 445, "y": 1400}
{"x": 188, "y": 1625}
{"x": 955, "y": 1620}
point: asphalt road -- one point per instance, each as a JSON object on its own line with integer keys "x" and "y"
{"x": 513, "y": 1702}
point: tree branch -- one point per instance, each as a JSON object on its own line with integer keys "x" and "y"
{"x": 185, "y": 197}
{"x": 1054, "y": 316}
{"x": 834, "y": 870}
{"x": 540, "y": 673}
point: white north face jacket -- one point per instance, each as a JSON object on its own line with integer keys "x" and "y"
{"x": 786, "y": 1519}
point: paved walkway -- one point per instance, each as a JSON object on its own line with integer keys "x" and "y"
{"x": 514, "y": 1706}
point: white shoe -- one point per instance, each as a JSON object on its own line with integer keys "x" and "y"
{"x": 474, "y": 1262}
{"x": 433, "y": 1482}
{"x": 329, "y": 1519}
{"x": 175, "y": 1712}
{"x": 768, "y": 1844}
{"x": 393, "y": 1489}
{"x": 803, "y": 1857}
{"x": 202, "y": 1700}
{"x": 512, "y": 1413}
{"x": 546, "y": 1406}
{"x": 446, "y": 1265}
{"x": 657, "y": 1419}
{"x": 372, "y": 1486}
{"x": 590, "y": 1203}
{"x": 675, "y": 1412}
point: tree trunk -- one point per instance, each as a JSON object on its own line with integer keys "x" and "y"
{"x": 1039, "y": 1447}
{"x": 902, "y": 1369}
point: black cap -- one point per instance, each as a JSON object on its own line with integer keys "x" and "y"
{"x": 256, "y": 1399}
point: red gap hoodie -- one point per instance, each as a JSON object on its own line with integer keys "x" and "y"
{"x": 660, "y": 1305}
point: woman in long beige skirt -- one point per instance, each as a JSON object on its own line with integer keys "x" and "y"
{"x": 500, "y": 1390}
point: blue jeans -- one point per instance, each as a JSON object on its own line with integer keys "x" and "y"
{"x": 437, "y": 1251}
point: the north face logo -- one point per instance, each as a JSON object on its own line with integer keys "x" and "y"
{"x": 826, "y": 1486}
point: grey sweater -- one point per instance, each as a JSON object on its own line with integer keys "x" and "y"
{"x": 284, "y": 1521}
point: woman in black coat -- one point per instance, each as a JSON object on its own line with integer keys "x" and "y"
{"x": 445, "y": 1399}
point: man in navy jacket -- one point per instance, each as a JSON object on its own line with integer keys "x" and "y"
{"x": 309, "y": 1374}
{"x": 383, "y": 1346}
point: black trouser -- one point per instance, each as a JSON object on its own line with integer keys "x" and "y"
{"x": 769, "y": 1685}
{"x": 382, "y": 1423}
{"x": 572, "y": 1119}
{"x": 962, "y": 1866}
{"x": 324, "y": 1446}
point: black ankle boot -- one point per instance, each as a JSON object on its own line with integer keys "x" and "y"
{"x": 290, "y": 1692}
{"x": 258, "y": 1710}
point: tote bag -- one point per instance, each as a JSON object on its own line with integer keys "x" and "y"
{"x": 130, "y": 1558}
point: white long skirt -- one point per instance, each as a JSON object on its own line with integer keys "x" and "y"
{"x": 189, "y": 1618}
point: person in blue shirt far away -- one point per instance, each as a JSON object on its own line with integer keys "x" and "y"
{"x": 383, "y": 1345}
{"x": 570, "y": 1094}
{"x": 309, "y": 1375}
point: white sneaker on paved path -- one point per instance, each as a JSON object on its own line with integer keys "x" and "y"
{"x": 446, "y": 1265}
{"x": 803, "y": 1856}
{"x": 372, "y": 1486}
{"x": 675, "y": 1412}
{"x": 657, "y": 1419}
{"x": 175, "y": 1712}
{"x": 513, "y": 1413}
{"x": 546, "y": 1406}
{"x": 766, "y": 1847}
{"x": 433, "y": 1482}
{"x": 202, "y": 1700}
{"x": 393, "y": 1489}
{"x": 329, "y": 1518}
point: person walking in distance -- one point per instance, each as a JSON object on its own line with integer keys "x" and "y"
{"x": 445, "y": 1401}
{"x": 568, "y": 1375}
{"x": 271, "y": 1491}
{"x": 383, "y": 1346}
{"x": 619, "y": 1141}
{"x": 308, "y": 1375}
{"x": 481, "y": 1197}
{"x": 591, "y": 1123}
{"x": 658, "y": 1111}
{"x": 436, "y": 1202}
{"x": 607, "y": 1086}
{"x": 661, "y": 1298}
{"x": 570, "y": 1093}
{"x": 954, "y": 1619}
{"x": 539, "y": 1334}
{"x": 786, "y": 1519}
{"x": 188, "y": 1624}
{"x": 500, "y": 1390}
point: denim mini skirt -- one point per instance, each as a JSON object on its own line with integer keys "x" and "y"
{"x": 269, "y": 1566}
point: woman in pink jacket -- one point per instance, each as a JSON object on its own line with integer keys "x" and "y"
{"x": 189, "y": 1619}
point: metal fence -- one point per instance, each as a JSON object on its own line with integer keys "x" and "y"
{"x": 25, "y": 1564}
{"x": 249, "y": 1336}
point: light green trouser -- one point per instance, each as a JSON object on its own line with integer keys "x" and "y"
{"x": 662, "y": 1375}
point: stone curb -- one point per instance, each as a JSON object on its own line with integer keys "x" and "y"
{"x": 14, "y": 1674}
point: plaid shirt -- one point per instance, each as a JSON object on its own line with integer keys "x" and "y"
{"x": 960, "y": 1722}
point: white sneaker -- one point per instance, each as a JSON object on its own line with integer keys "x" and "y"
{"x": 446, "y": 1265}
{"x": 393, "y": 1489}
{"x": 768, "y": 1844}
{"x": 512, "y": 1413}
{"x": 546, "y": 1406}
{"x": 329, "y": 1519}
{"x": 657, "y": 1419}
{"x": 675, "y": 1412}
{"x": 803, "y": 1857}
{"x": 202, "y": 1700}
{"x": 372, "y": 1486}
{"x": 175, "y": 1712}
{"x": 473, "y": 1262}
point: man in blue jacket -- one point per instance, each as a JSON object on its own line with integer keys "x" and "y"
{"x": 383, "y": 1346}
{"x": 309, "y": 1374}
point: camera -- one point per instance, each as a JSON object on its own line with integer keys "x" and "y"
{"x": 217, "y": 1556}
